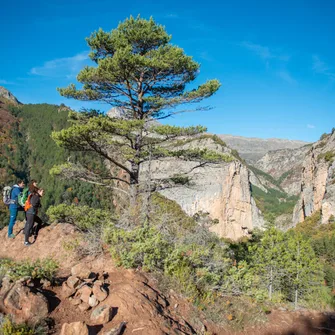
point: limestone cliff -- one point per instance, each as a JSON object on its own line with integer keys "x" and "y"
{"x": 221, "y": 190}
{"x": 285, "y": 166}
{"x": 318, "y": 181}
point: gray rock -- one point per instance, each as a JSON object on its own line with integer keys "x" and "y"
{"x": 101, "y": 315}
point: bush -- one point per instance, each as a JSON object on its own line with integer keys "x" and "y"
{"x": 141, "y": 247}
{"x": 328, "y": 156}
{"x": 8, "y": 327}
{"x": 83, "y": 217}
{"x": 40, "y": 269}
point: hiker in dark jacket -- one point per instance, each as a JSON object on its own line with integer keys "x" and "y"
{"x": 14, "y": 207}
{"x": 35, "y": 228}
{"x": 34, "y": 203}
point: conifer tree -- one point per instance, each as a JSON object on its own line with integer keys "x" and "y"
{"x": 267, "y": 259}
{"x": 303, "y": 268}
{"x": 138, "y": 70}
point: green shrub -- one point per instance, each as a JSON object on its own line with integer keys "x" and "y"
{"x": 328, "y": 156}
{"x": 8, "y": 327}
{"x": 40, "y": 269}
{"x": 83, "y": 217}
{"x": 141, "y": 247}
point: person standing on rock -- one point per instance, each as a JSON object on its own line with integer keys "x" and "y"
{"x": 32, "y": 205}
{"x": 14, "y": 207}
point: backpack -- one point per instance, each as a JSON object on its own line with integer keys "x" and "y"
{"x": 23, "y": 196}
{"x": 28, "y": 204}
{"x": 6, "y": 194}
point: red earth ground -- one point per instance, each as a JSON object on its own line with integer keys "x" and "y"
{"x": 136, "y": 299}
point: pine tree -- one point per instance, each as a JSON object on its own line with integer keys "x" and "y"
{"x": 140, "y": 71}
{"x": 303, "y": 268}
{"x": 267, "y": 259}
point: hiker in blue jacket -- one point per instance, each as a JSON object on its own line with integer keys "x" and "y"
{"x": 14, "y": 207}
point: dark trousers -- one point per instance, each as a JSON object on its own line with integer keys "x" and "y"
{"x": 29, "y": 227}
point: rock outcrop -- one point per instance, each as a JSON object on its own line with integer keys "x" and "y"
{"x": 318, "y": 181}
{"x": 285, "y": 166}
{"x": 4, "y": 93}
{"x": 221, "y": 190}
{"x": 22, "y": 302}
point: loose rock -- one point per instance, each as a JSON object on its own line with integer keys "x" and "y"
{"x": 73, "y": 282}
{"x": 84, "y": 293}
{"x": 74, "y": 328}
{"x": 67, "y": 291}
{"x": 101, "y": 315}
{"x": 99, "y": 291}
{"x": 93, "y": 301}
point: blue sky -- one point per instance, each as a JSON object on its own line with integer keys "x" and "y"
{"x": 275, "y": 59}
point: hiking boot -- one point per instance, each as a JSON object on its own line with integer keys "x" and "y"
{"x": 11, "y": 236}
{"x": 27, "y": 244}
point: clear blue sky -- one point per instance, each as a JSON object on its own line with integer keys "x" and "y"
{"x": 275, "y": 59}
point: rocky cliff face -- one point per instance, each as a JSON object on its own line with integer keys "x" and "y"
{"x": 318, "y": 181}
{"x": 4, "y": 93}
{"x": 221, "y": 190}
{"x": 285, "y": 166}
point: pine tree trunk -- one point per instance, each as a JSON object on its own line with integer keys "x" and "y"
{"x": 271, "y": 281}
{"x": 134, "y": 184}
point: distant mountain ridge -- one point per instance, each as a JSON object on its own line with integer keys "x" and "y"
{"x": 252, "y": 148}
{"x": 5, "y": 94}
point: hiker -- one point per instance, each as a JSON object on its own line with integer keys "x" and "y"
{"x": 14, "y": 207}
{"x": 32, "y": 205}
{"x": 34, "y": 229}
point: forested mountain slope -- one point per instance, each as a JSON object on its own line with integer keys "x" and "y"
{"x": 28, "y": 152}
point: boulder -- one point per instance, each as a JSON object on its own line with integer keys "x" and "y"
{"x": 84, "y": 293}
{"x": 101, "y": 315}
{"x": 25, "y": 305}
{"x": 74, "y": 328}
{"x": 73, "y": 282}
{"x": 81, "y": 270}
{"x": 99, "y": 291}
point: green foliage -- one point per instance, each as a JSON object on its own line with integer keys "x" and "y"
{"x": 40, "y": 269}
{"x": 284, "y": 176}
{"x": 83, "y": 217}
{"x": 173, "y": 244}
{"x": 328, "y": 156}
{"x": 138, "y": 69}
{"x": 265, "y": 175}
{"x": 8, "y": 327}
{"x": 141, "y": 247}
{"x": 323, "y": 136}
{"x": 273, "y": 203}
{"x": 267, "y": 260}
{"x": 36, "y": 153}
